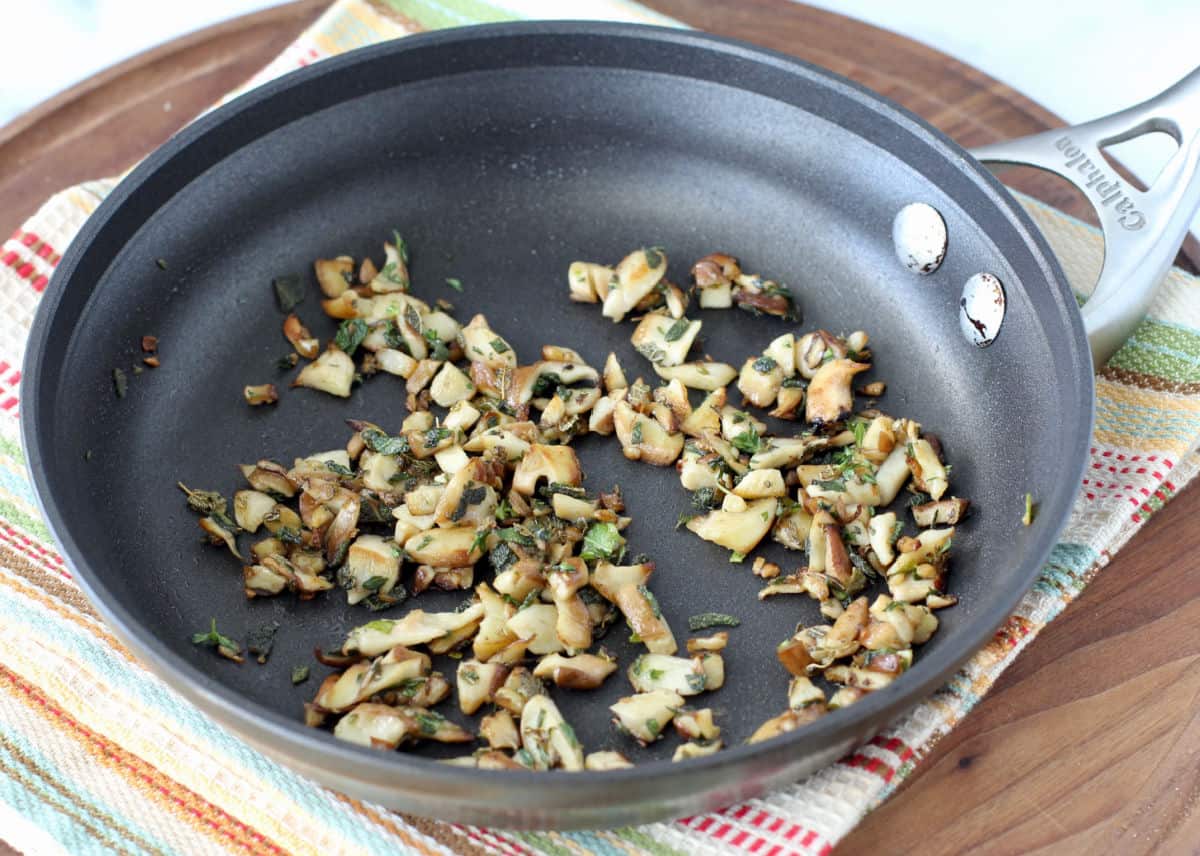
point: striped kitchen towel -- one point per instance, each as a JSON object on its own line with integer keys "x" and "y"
{"x": 99, "y": 756}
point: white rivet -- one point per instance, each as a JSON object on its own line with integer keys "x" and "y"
{"x": 981, "y": 309}
{"x": 919, "y": 234}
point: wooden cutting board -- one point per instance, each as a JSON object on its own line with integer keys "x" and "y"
{"x": 1090, "y": 743}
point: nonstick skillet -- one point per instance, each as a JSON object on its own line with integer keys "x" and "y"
{"x": 503, "y": 153}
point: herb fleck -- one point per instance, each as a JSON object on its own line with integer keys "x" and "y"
{"x": 226, "y": 647}
{"x": 705, "y": 620}
{"x": 299, "y": 674}
{"x": 120, "y": 382}
{"x": 454, "y": 283}
{"x": 289, "y": 291}
{"x": 350, "y": 335}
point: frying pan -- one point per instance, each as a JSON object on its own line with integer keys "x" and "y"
{"x": 503, "y": 153}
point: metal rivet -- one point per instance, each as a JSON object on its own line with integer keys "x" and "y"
{"x": 919, "y": 234}
{"x": 981, "y": 309}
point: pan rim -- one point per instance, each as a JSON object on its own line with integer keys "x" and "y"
{"x": 288, "y": 737}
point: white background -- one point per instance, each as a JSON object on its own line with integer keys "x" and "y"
{"x": 1079, "y": 59}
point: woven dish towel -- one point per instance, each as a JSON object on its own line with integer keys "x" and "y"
{"x": 99, "y": 756}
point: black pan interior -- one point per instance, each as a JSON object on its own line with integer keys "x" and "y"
{"x": 501, "y": 163}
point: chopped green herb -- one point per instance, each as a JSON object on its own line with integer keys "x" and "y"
{"x": 765, "y": 364}
{"x": 736, "y": 558}
{"x": 401, "y": 246}
{"x": 434, "y": 436}
{"x": 429, "y": 722}
{"x": 162, "y": 263}
{"x": 652, "y": 600}
{"x": 289, "y": 291}
{"x": 205, "y": 501}
{"x": 675, "y": 331}
{"x": 87, "y": 455}
{"x": 653, "y": 728}
{"x": 1030, "y": 510}
{"x": 335, "y": 467}
{"x": 261, "y": 641}
{"x": 705, "y": 620}
{"x": 706, "y": 498}
{"x": 656, "y": 674}
{"x": 832, "y": 485}
{"x": 380, "y": 625}
{"x": 350, "y": 335}
{"x": 602, "y": 541}
{"x": 793, "y": 383}
{"x": 288, "y": 362}
{"x": 375, "y": 583}
{"x": 654, "y": 256}
{"x": 299, "y": 674}
{"x": 748, "y": 441}
{"x": 225, "y": 646}
{"x": 120, "y": 383}
{"x": 437, "y": 348}
{"x": 859, "y": 427}
{"x": 454, "y": 283}
{"x": 381, "y": 443}
{"x": 500, "y": 346}
{"x": 635, "y": 436}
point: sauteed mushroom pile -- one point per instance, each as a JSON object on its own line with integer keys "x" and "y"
{"x": 480, "y": 490}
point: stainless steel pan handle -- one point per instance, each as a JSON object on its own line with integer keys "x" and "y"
{"x": 1143, "y": 230}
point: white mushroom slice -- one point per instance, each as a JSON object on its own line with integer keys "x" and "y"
{"x": 574, "y": 509}
{"x": 785, "y": 722}
{"x": 478, "y": 682}
{"x": 444, "y": 325}
{"x": 928, "y": 471}
{"x": 335, "y": 275}
{"x": 482, "y": 344}
{"x": 517, "y": 691}
{"x": 852, "y": 491}
{"x": 505, "y": 439}
{"x": 646, "y": 716}
{"x": 830, "y": 396}
{"x": 736, "y": 423}
{"x": 378, "y": 726}
{"x": 450, "y": 386}
{"x": 333, "y": 372}
{"x": 408, "y": 524}
{"x": 677, "y": 300}
{"x": 264, "y": 580}
{"x": 891, "y": 475}
{"x": 644, "y": 439}
{"x": 894, "y": 625}
{"x": 687, "y": 751}
{"x": 608, "y": 578}
{"x": 557, "y": 464}
{"x": 716, "y": 296}
{"x": 640, "y": 608}
{"x": 393, "y": 276}
{"x": 318, "y": 463}
{"x": 614, "y": 375}
{"x": 760, "y": 484}
{"x": 500, "y": 731}
{"x": 930, "y": 544}
{"x": 451, "y": 460}
{"x": 783, "y": 351}
{"x": 760, "y": 380}
{"x": 705, "y": 421}
{"x": 697, "y": 725}
{"x": 451, "y": 547}
{"x": 698, "y": 375}
{"x": 781, "y": 452}
{"x": 467, "y": 500}
{"x": 791, "y": 396}
{"x": 664, "y": 340}
{"x": 802, "y": 692}
{"x": 879, "y": 440}
{"x": 698, "y": 470}
{"x": 547, "y": 737}
{"x": 637, "y": 274}
{"x": 580, "y": 672}
{"x": 424, "y": 499}
{"x": 372, "y": 568}
{"x": 535, "y": 626}
{"x": 415, "y": 628}
{"x": 250, "y": 507}
{"x": 845, "y": 697}
{"x": 364, "y": 679}
{"x": 461, "y": 416}
{"x": 733, "y": 503}
{"x": 687, "y": 677}
{"x": 713, "y": 644}
{"x": 589, "y": 282}
{"x": 792, "y": 528}
{"x": 600, "y": 419}
{"x": 377, "y": 471}
{"x": 425, "y": 372}
{"x": 494, "y": 633}
{"x": 736, "y": 531}
{"x": 607, "y": 760}
{"x": 882, "y": 532}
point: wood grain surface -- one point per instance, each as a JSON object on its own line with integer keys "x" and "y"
{"x": 1090, "y": 743}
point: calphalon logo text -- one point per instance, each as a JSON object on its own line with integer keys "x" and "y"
{"x": 1109, "y": 189}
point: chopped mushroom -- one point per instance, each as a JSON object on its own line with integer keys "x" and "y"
{"x": 607, "y": 760}
{"x": 830, "y": 397}
{"x": 945, "y": 512}
{"x": 578, "y": 672}
{"x": 333, "y": 372}
{"x": 636, "y": 276}
{"x": 663, "y": 340}
{"x": 547, "y": 737}
{"x": 645, "y": 716}
{"x": 737, "y": 531}
{"x": 261, "y": 394}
